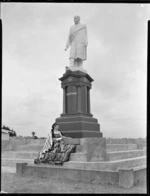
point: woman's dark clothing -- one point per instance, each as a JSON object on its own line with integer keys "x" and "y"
{"x": 57, "y": 154}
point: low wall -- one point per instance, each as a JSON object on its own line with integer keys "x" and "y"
{"x": 58, "y": 172}
{"x": 125, "y": 178}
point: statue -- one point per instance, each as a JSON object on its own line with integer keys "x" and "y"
{"x": 78, "y": 40}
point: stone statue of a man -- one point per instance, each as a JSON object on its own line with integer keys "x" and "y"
{"x": 77, "y": 39}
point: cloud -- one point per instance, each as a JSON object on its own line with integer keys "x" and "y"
{"x": 34, "y": 37}
{"x": 123, "y": 115}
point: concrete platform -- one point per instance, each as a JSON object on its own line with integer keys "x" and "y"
{"x": 125, "y": 178}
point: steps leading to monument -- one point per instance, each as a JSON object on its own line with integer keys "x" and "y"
{"x": 111, "y": 147}
{"x": 120, "y": 147}
{"x": 128, "y": 157}
{"x": 117, "y": 155}
{"x": 30, "y": 152}
{"x": 107, "y": 165}
{"x": 80, "y": 148}
{"x": 10, "y": 158}
{"x": 29, "y": 147}
{"x": 35, "y": 145}
{"x": 20, "y": 154}
{"x": 78, "y": 157}
{"x": 117, "y": 152}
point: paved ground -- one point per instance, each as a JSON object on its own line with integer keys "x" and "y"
{"x": 11, "y": 183}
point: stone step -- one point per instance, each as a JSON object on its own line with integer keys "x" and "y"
{"x": 37, "y": 145}
{"x": 29, "y": 147}
{"x": 80, "y": 148}
{"x": 125, "y": 154}
{"x": 117, "y": 155}
{"x": 111, "y": 147}
{"x": 36, "y": 141}
{"x": 20, "y": 154}
{"x": 140, "y": 167}
{"x": 22, "y": 141}
{"x": 120, "y": 147}
{"x": 78, "y": 156}
{"x": 11, "y": 162}
{"x": 107, "y": 165}
{"x": 67, "y": 140}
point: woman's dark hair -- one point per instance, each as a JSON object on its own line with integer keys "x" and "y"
{"x": 52, "y": 130}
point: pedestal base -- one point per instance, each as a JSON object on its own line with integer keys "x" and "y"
{"x": 79, "y": 126}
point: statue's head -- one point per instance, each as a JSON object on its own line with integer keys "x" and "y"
{"x": 76, "y": 19}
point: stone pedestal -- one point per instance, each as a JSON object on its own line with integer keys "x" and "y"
{"x": 95, "y": 148}
{"x": 76, "y": 121}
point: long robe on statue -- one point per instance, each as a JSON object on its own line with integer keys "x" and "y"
{"x": 77, "y": 39}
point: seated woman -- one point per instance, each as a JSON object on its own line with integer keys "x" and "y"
{"x": 54, "y": 150}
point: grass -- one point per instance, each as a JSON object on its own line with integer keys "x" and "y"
{"x": 12, "y": 183}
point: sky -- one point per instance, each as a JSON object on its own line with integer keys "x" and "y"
{"x": 34, "y": 39}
